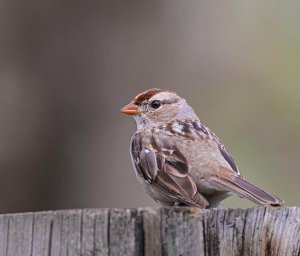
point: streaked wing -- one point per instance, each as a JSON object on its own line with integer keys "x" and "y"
{"x": 168, "y": 171}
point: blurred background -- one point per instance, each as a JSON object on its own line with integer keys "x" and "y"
{"x": 66, "y": 68}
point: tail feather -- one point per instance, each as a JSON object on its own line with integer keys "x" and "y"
{"x": 245, "y": 189}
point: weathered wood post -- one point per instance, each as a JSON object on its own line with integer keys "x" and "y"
{"x": 152, "y": 231}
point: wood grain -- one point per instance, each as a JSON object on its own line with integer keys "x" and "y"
{"x": 152, "y": 231}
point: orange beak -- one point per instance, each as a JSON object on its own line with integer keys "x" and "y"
{"x": 131, "y": 109}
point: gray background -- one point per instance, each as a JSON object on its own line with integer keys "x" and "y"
{"x": 67, "y": 67}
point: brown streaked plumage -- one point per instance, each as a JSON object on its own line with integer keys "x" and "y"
{"x": 179, "y": 160}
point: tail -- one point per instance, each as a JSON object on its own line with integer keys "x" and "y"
{"x": 246, "y": 190}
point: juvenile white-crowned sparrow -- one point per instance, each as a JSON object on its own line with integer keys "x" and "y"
{"x": 179, "y": 160}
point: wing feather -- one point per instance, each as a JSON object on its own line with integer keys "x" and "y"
{"x": 168, "y": 172}
{"x": 229, "y": 159}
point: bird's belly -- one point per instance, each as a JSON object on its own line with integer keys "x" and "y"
{"x": 212, "y": 192}
{"x": 208, "y": 188}
{"x": 157, "y": 195}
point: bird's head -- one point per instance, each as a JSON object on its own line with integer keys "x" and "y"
{"x": 156, "y": 106}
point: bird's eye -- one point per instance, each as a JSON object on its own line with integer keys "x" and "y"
{"x": 155, "y": 104}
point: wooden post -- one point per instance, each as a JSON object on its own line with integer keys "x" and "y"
{"x": 152, "y": 231}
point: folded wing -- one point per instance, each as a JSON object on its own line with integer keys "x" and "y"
{"x": 168, "y": 172}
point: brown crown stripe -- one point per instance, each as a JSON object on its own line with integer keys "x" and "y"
{"x": 148, "y": 94}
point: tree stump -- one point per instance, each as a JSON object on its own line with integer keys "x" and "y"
{"x": 152, "y": 231}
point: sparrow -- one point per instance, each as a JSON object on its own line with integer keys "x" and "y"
{"x": 180, "y": 161}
